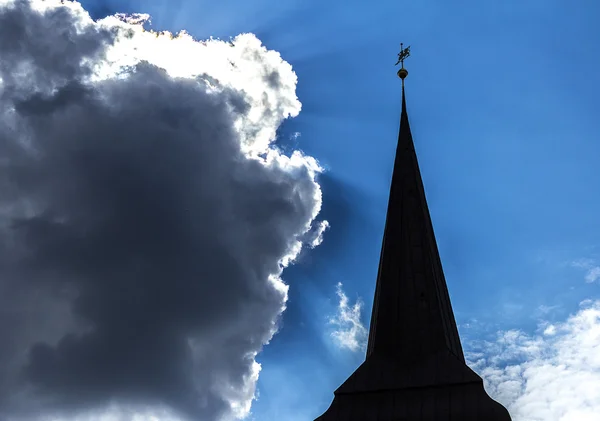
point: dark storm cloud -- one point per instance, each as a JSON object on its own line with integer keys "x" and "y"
{"x": 139, "y": 247}
{"x": 42, "y": 48}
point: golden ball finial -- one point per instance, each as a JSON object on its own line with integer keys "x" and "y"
{"x": 402, "y": 73}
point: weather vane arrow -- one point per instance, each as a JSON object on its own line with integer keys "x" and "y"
{"x": 402, "y": 55}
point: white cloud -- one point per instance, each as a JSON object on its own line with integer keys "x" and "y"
{"x": 350, "y": 333}
{"x": 315, "y": 236}
{"x": 593, "y": 274}
{"x": 552, "y": 376}
{"x": 583, "y": 263}
{"x": 591, "y": 268}
{"x": 544, "y": 310}
{"x": 550, "y": 330}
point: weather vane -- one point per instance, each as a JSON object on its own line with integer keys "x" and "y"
{"x": 402, "y": 55}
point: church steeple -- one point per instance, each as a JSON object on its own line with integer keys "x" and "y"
{"x": 412, "y": 314}
{"x": 415, "y": 368}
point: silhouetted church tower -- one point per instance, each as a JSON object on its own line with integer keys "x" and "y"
{"x": 415, "y": 368}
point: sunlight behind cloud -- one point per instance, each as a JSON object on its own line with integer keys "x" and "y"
{"x": 268, "y": 85}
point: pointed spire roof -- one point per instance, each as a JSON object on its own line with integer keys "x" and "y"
{"x": 415, "y": 368}
{"x": 412, "y": 315}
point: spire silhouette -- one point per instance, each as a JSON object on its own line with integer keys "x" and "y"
{"x": 412, "y": 315}
{"x": 414, "y": 368}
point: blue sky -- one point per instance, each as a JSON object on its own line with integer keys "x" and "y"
{"x": 503, "y": 102}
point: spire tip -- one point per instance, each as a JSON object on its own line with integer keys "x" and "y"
{"x": 402, "y": 55}
{"x": 402, "y": 73}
